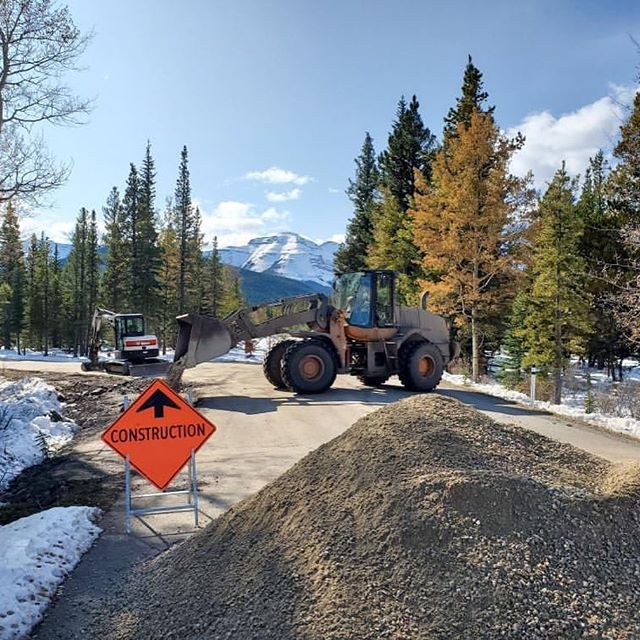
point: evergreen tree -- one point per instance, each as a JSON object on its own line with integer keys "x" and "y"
{"x": 623, "y": 189}
{"x": 362, "y": 191}
{"x": 56, "y": 302}
{"x": 12, "y": 275}
{"x": 183, "y": 223}
{"x": 43, "y": 284}
{"x": 514, "y": 338}
{"x": 394, "y": 247}
{"x": 215, "y": 280}
{"x": 472, "y": 99}
{"x": 34, "y": 300}
{"x": 558, "y": 317}
{"x": 197, "y": 285}
{"x": 116, "y": 283}
{"x": 411, "y": 147}
{"x": 145, "y": 279}
{"x": 168, "y": 279}
{"x": 600, "y": 246}
{"x": 464, "y": 227}
{"x": 232, "y": 298}
{"x": 131, "y": 231}
{"x": 93, "y": 271}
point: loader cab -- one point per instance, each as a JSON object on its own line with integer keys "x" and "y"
{"x": 127, "y": 325}
{"x": 367, "y": 298}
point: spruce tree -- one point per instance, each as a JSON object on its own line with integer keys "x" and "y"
{"x": 363, "y": 193}
{"x": 183, "y": 223}
{"x": 472, "y": 99}
{"x": 34, "y": 299}
{"x": 56, "y": 303}
{"x": 12, "y": 275}
{"x": 168, "y": 279}
{"x": 215, "y": 280}
{"x": 76, "y": 281}
{"x": 43, "y": 278}
{"x": 410, "y": 148}
{"x": 116, "y": 281}
{"x": 132, "y": 215}
{"x": 601, "y": 246}
{"x": 148, "y": 251}
{"x": 558, "y": 319}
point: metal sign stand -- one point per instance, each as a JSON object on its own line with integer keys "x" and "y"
{"x": 192, "y": 491}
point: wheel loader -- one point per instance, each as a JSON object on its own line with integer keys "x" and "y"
{"x": 360, "y": 331}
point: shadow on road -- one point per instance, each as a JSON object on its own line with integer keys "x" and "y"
{"x": 489, "y": 403}
{"x": 375, "y": 397}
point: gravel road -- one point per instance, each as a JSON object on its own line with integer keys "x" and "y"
{"x": 261, "y": 433}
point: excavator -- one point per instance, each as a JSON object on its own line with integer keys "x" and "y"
{"x": 136, "y": 352}
{"x": 361, "y": 330}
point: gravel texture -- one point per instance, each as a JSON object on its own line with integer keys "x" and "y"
{"x": 424, "y": 520}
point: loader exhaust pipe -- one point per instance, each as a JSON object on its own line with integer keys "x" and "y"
{"x": 200, "y": 339}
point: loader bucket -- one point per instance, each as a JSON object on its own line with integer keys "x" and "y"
{"x": 200, "y": 339}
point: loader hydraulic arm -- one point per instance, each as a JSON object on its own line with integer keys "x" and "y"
{"x": 201, "y": 338}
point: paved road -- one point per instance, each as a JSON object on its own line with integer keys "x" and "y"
{"x": 261, "y": 433}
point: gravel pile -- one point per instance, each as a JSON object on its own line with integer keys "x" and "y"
{"x": 424, "y": 520}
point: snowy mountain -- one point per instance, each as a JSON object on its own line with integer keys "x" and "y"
{"x": 285, "y": 254}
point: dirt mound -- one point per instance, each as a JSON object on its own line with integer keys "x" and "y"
{"x": 424, "y": 520}
{"x": 622, "y": 480}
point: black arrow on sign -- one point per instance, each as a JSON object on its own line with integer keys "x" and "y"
{"x": 158, "y": 401}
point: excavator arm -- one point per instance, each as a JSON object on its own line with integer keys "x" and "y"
{"x": 93, "y": 347}
{"x": 201, "y": 338}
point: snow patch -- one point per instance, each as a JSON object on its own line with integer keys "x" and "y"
{"x": 572, "y": 406}
{"x": 36, "y": 554}
{"x": 27, "y": 432}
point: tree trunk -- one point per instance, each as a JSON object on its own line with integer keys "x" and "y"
{"x": 557, "y": 360}
{"x": 475, "y": 355}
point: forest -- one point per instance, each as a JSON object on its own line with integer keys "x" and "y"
{"x": 543, "y": 278}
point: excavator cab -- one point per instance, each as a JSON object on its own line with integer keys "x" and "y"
{"x": 367, "y": 298}
{"x": 127, "y": 325}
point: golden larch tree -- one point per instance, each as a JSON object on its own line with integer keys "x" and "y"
{"x": 469, "y": 224}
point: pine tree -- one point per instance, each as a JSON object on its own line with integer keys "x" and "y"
{"x": 34, "y": 300}
{"x": 558, "y": 318}
{"x": 183, "y": 223}
{"x": 623, "y": 189}
{"x": 472, "y": 99}
{"x": 56, "y": 303}
{"x": 12, "y": 275}
{"x": 116, "y": 282}
{"x": 197, "y": 289}
{"x": 464, "y": 227}
{"x": 132, "y": 215}
{"x": 514, "y": 342}
{"x": 146, "y": 277}
{"x": 93, "y": 271}
{"x": 76, "y": 271}
{"x": 233, "y": 298}
{"x": 168, "y": 279}
{"x": 43, "y": 283}
{"x": 394, "y": 247}
{"x": 411, "y": 147}
{"x": 215, "y": 281}
{"x": 363, "y": 193}
{"x": 600, "y": 246}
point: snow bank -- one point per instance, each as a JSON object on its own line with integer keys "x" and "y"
{"x": 27, "y": 433}
{"x": 572, "y": 407}
{"x": 36, "y": 553}
{"x": 54, "y": 355}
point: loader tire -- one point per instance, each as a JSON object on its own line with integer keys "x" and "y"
{"x": 421, "y": 366}
{"x": 309, "y": 366}
{"x": 373, "y": 381}
{"x": 272, "y": 365}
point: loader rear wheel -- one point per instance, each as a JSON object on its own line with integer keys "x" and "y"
{"x": 272, "y": 365}
{"x": 373, "y": 381}
{"x": 421, "y": 366}
{"x": 309, "y": 366}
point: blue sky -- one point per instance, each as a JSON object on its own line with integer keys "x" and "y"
{"x": 251, "y": 86}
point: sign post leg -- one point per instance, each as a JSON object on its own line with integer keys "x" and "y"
{"x": 194, "y": 486}
{"x": 127, "y": 493}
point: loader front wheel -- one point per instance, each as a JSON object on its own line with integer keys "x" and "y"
{"x": 309, "y": 366}
{"x": 421, "y": 366}
{"x": 272, "y": 365}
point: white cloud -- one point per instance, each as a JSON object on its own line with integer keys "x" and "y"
{"x": 332, "y": 190}
{"x": 235, "y": 222}
{"x": 573, "y": 137}
{"x": 58, "y": 231}
{"x": 276, "y": 175}
{"x": 283, "y": 196}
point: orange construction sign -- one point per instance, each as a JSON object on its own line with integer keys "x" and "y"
{"x": 158, "y": 432}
